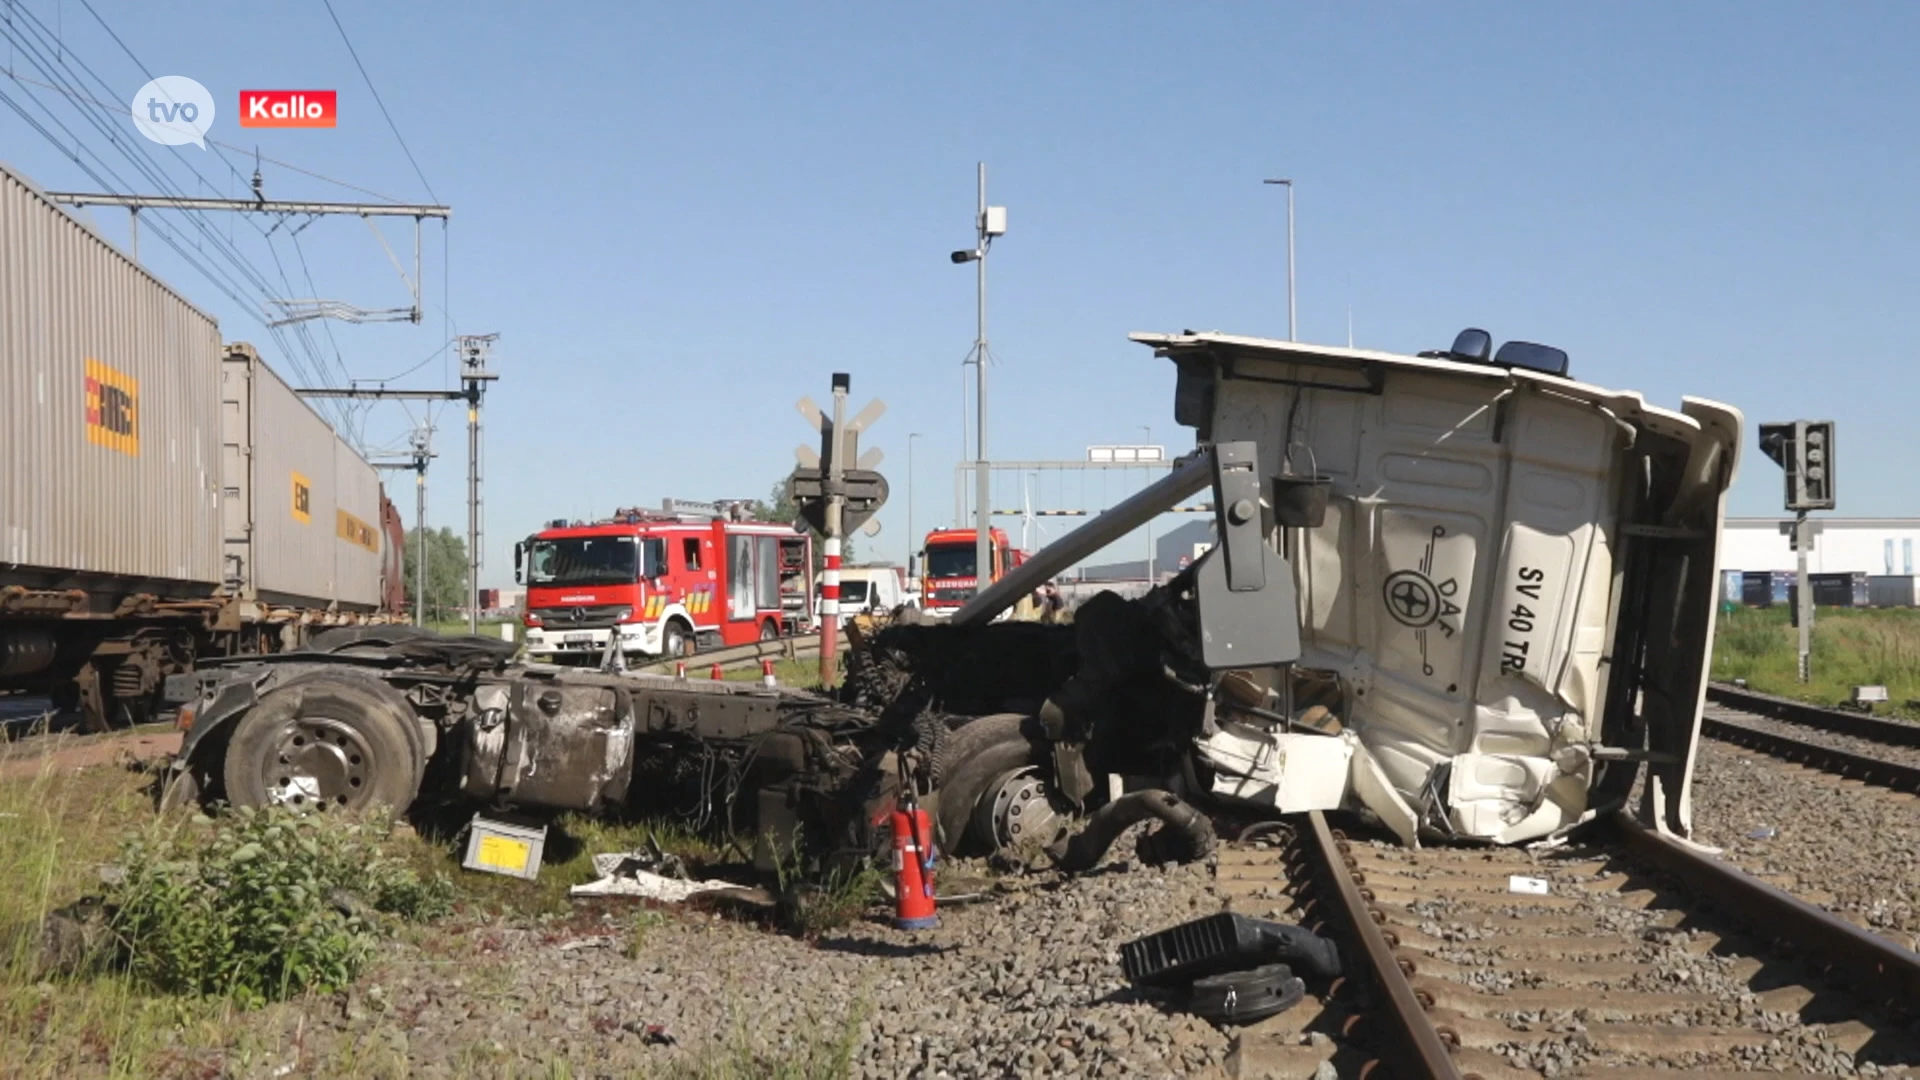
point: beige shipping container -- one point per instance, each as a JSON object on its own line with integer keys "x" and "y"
{"x": 356, "y": 522}
{"x": 110, "y": 434}
{"x": 297, "y": 497}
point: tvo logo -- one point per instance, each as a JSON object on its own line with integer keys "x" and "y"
{"x": 289, "y": 108}
{"x": 173, "y": 110}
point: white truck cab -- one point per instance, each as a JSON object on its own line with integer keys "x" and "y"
{"x": 1506, "y": 593}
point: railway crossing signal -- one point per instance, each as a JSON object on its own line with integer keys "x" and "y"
{"x": 836, "y": 490}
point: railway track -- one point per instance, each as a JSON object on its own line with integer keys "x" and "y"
{"x": 1872, "y": 750}
{"x": 1642, "y": 954}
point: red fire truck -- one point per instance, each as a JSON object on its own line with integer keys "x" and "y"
{"x": 686, "y": 576}
{"x": 947, "y": 578}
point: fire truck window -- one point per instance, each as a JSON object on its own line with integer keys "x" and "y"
{"x": 767, "y": 571}
{"x": 949, "y": 560}
{"x": 656, "y": 557}
{"x": 740, "y": 575}
{"x": 691, "y": 547}
{"x": 607, "y": 560}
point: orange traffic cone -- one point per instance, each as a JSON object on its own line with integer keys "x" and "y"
{"x": 766, "y": 673}
{"x": 680, "y": 671}
{"x": 913, "y": 868}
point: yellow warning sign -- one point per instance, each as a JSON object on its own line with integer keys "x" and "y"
{"x": 502, "y": 853}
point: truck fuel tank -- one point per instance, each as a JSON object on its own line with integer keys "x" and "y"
{"x": 568, "y": 746}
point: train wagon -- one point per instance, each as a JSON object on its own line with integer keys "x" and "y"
{"x": 162, "y": 497}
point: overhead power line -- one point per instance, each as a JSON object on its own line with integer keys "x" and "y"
{"x": 395, "y": 128}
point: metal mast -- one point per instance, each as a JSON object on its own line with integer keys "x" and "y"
{"x": 474, "y": 376}
{"x": 989, "y": 222}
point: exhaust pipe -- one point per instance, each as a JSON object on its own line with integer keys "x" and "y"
{"x": 1185, "y": 835}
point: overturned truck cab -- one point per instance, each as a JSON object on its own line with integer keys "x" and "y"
{"x": 1503, "y": 580}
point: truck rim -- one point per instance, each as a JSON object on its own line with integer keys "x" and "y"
{"x": 316, "y": 762}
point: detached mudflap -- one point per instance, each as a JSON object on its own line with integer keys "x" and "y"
{"x": 566, "y": 746}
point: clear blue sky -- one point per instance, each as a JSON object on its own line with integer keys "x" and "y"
{"x": 682, "y": 217}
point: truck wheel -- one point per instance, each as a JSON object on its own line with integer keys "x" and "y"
{"x": 769, "y": 631}
{"x": 977, "y": 754}
{"x": 323, "y": 743}
{"x": 673, "y": 639}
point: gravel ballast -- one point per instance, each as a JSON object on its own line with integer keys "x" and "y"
{"x": 1852, "y": 849}
{"x": 1027, "y": 983}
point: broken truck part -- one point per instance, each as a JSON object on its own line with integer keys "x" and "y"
{"x": 1469, "y": 598}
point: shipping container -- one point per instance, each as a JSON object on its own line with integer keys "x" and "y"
{"x": 1893, "y": 590}
{"x": 1732, "y": 587}
{"x": 1832, "y": 590}
{"x": 1765, "y": 588}
{"x": 110, "y": 447}
{"x": 303, "y": 509}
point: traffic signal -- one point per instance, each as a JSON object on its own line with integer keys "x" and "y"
{"x": 1804, "y": 451}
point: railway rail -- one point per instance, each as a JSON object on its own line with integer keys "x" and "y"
{"x": 1870, "y": 749}
{"x": 1839, "y": 721}
{"x": 1642, "y": 954}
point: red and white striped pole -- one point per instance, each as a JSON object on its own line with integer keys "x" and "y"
{"x": 836, "y": 503}
{"x": 830, "y": 605}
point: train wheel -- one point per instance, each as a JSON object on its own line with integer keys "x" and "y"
{"x": 323, "y": 743}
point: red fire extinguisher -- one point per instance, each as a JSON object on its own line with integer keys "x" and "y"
{"x": 913, "y": 858}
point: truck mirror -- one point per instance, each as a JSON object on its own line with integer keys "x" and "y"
{"x": 519, "y": 557}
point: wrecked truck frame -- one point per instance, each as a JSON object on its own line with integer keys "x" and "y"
{"x": 1469, "y": 599}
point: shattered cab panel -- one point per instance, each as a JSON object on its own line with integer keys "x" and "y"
{"x": 1465, "y": 583}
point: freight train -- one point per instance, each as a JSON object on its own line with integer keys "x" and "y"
{"x": 163, "y": 497}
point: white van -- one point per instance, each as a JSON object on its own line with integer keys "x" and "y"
{"x": 867, "y": 590}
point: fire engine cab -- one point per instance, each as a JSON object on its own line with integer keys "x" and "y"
{"x": 668, "y": 581}
{"x": 947, "y": 578}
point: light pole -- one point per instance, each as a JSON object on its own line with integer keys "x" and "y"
{"x": 912, "y": 537}
{"x": 1289, "y": 186}
{"x": 1148, "y": 428}
{"x": 990, "y": 221}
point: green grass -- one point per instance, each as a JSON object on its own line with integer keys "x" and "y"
{"x": 488, "y": 628}
{"x": 1851, "y": 647}
{"x": 800, "y": 673}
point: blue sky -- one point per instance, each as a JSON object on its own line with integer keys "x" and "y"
{"x": 682, "y": 217}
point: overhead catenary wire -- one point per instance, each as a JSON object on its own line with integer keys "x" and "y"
{"x": 120, "y": 110}
{"x": 293, "y": 343}
{"x": 395, "y": 128}
{"x": 34, "y": 42}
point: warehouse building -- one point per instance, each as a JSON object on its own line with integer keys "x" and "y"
{"x": 1874, "y": 546}
{"x": 1854, "y": 562}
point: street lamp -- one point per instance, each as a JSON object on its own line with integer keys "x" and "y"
{"x": 991, "y": 221}
{"x": 912, "y": 537}
{"x": 1289, "y": 187}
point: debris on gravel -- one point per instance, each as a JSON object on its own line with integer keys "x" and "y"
{"x": 1027, "y": 983}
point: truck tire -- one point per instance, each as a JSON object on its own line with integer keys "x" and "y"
{"x": 975, "y": 755}
{"x": 769, "y": 630}
{"x": 324, "y": 742}
{"x": 674, "y": 638}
